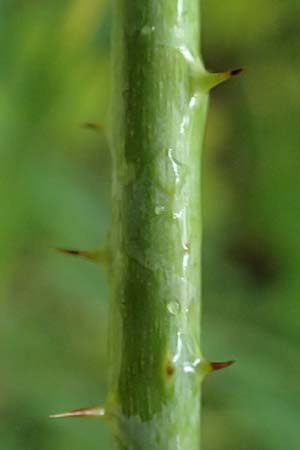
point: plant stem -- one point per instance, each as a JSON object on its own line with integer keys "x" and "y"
{"x": 160, "y": 102}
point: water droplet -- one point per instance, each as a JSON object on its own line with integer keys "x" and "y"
{"x": 178, "y": 215}
{"x": 159, "y": 210}
{"x": 174, "y": 308}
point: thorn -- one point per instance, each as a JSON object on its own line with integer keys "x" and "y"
{"x": 208, "y": 80}
{"x": 92, "y": 126}
{"x": 221, "y": 365}
{"x": 92, "y": 255}
{"x": 235, "y": 72}
{"x": 94, "y": 411}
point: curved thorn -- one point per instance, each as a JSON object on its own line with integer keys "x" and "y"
{"x": 94, "y": 411}
{"x": 221, "y": 365}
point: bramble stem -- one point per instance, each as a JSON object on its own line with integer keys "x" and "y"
{"x": 160, "y": 99}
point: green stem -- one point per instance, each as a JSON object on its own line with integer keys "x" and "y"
{"x": 159, "y": 114}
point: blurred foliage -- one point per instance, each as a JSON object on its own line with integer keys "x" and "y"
{"x": 55, "y": 191}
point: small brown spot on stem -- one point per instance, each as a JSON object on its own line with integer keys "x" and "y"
{"x": 170, "y": 369}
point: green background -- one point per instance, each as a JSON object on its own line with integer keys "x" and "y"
{"x": 55, "y": 191}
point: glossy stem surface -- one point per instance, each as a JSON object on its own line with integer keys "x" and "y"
{"x": 158, "y": 122}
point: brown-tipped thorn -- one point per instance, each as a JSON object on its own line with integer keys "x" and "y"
{"x": 87, "y": 254}
{"x": 235, "y": 72}
{"x": 92, "y": 126}
{"x": 208, "y": 80}
{"x": 221, "y": 365}
{"x": 94, "y": 411}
